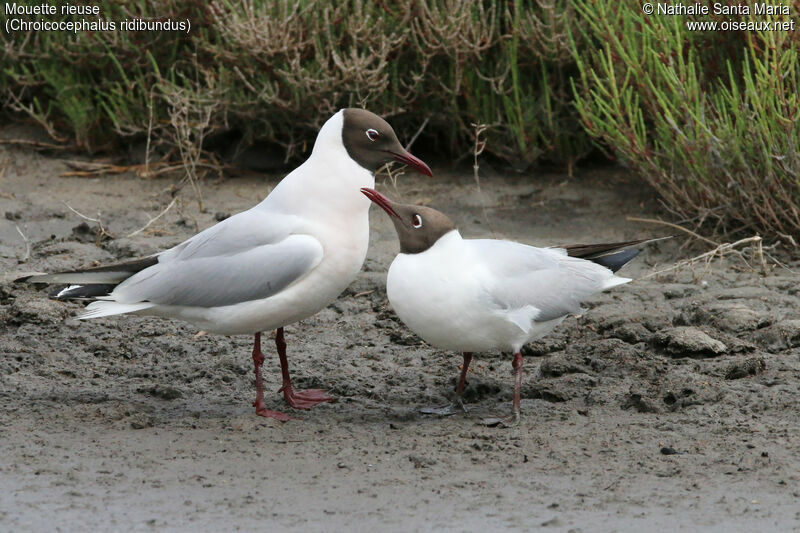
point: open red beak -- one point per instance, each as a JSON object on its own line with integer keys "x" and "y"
{"x": 414, "y": 162}
{"x": 381, "y": 200}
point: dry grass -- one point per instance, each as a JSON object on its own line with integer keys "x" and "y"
{"x": 276, "y": 70}
{"x": 709, "y": 119}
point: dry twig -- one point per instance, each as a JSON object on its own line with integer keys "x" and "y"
{"x": 35, "y": 144}
{"x": 675, "y": 226}
{"x": 414, "y": 138}
{"x": 19, "y": 106}
{"x": 776, "y": 260}
{"x": 101, "y": 230}
{"x": 83, "y": 169}
{"x": 477, "y": 149}
{"x": 27, "y": 245}
{"x": 161, "y": 214}
{"x": 719, "y": 251}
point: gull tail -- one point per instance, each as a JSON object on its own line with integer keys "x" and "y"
{"x": 101, "y": 308}
{"x": 91, "y": 283}
{"x": 613, "y": 281}
{"x": 613, "y": 255}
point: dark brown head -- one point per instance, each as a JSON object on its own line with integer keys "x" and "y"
{"x": 418, "y": 227}
{"x": 371, "y": 142}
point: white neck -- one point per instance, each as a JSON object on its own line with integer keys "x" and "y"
{"x": 327, "y": 186}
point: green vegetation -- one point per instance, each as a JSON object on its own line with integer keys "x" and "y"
{"x": 708, "y": 118}
{"x": 274, "y": 70}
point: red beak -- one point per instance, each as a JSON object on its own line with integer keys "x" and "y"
{"x": 414, "y": 162}
{"x": 381, "y": 200}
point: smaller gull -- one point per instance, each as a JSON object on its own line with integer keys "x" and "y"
{"x": 477, "y": 295}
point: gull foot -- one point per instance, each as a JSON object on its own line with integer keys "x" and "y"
{"x": 304, "y": 399}
{"x": 445, "y": 410}
{"x": 507, "y": 422}
{"x": 261, "y": 410}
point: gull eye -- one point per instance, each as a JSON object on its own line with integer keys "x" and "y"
{"x": 372, "y": 134}
{"x": 416, "y": 221}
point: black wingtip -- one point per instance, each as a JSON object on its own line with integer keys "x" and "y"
{"x": 616, "y": 260}
{"x": 81, "y": 292}
{"x": 613, "y": 255}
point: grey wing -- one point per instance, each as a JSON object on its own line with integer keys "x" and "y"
{"x": 246, "y": 230}
{"x": 205, "y": 280}
{"x": 544, "y": 281}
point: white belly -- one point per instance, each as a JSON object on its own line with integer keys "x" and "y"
{"x": 443, "y": 302}
{"x": 302, "y": 299}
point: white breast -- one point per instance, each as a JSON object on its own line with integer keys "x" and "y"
{"x": 439, "y": 295}
{"x": 324, "y": 193}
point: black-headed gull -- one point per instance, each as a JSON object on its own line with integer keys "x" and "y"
{"x": 477, "y": 295}
{"x": 274, "y": 264}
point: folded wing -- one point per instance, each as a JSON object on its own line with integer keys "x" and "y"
{"x": 250, "y": 256}
{"x": 207, "y": 280}
{"x": 539, "y": 284}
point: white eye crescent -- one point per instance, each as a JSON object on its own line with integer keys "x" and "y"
{"x": 372, "y": 134}
{"x": 416, "y": 221}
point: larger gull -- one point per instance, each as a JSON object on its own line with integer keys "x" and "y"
{"x": 279, "y": 262}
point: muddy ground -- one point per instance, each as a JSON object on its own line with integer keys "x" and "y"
{"x": 671, "y": 403}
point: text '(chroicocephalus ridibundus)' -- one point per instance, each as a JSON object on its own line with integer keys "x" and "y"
{"x": 475, "y": 295}
{"x": 274, "y": 264}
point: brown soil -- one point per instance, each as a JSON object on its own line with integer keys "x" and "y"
{"x": 671, "y": 403}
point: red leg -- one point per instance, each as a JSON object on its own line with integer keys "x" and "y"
{"x": 517, "y": 364}
{"x": 261, "y": 407}
{"x": 462, "y": 379}
{"x": 513, "y": 418}
{"x": 453, "y": 406}
{"x": 301, "y": 399}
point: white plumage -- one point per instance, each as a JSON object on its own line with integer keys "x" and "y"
{"x": 279, "y": 262}
{"x": 477, "y": 295}
{"x": 274, "y": 264}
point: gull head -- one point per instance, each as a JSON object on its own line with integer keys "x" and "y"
{"x": 371, "y": 142}
{"x": 418, "y": 227}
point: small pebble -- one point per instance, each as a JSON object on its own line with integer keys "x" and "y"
{"x": 669, "y": 450}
